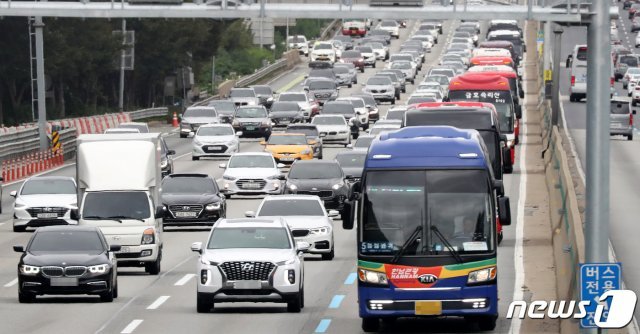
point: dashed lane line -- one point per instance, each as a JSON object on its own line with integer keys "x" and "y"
{"x": 158, "y": 302}
{"x": 350, "y": 279}
{"x": 336, "y": 301}
{"x": 186, "y": 278}
{"x": 132, "y": 326}
{"x": 323, "y": 326}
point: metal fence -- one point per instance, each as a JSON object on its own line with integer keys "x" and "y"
{"x": 19, "y": 142}
{"x": 148, "y": 113}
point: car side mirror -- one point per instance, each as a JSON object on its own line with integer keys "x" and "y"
{"x": 280, "y": 165}
{"x": 338, "y": 88}
{"x": 196, "y": 247}
{"x": 115, "y": 248}
{"x": 333, "y": 213}
{"x": 74, "y": 214}
{"x": 171, "y": 152}
{"x": 349, "y": 146}
{"x": 498, "y": 185}
{"x": 18, "y": 249}
{"x": 355, "y": 191}
{"x": 250, "y": 214}
{"x": 306, "y": 76}
{"x": 504, "y": 211}
{"x": 239, "y": 133}
{"x": 14, "y": 193}
{"x": 349, "y": 176}
{"x": 223, "y": 166}
{"x": 322, "y": 135}
{"x": 160, "y": 211}
{"x": 302, "y": 246}
{"x": 633, "y": 112}
{"x": 282, "y": 177}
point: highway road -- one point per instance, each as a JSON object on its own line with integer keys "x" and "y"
{"x": 166, "y": 303}
{"x": 625, "y": 180}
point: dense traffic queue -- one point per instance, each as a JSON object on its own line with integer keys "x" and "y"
{"x": 422, "y": 183}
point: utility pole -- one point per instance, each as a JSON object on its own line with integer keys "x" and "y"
{"x": 555, "y": 100}
{"x": 122, "y": 65}
{"x": 286, "y": 40}
{"x": 598, "y": 91}
{"x": 42, "y": 105}
{"x": 213, "y": 75}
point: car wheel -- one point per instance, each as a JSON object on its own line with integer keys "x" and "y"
{"x": 370, "y": 324}
{"x": 633, "y": 103}
{"x": 26, "y": 297}
{"x": 19, "y": 228}
{"x": 153, "y": 268}
{"x": 302, "y": 297}
{"x": 374, "y": 65}
{"x": 572, "y": 98}
{"x": 413, "y": 81}
{"x": 500, "y": 237}
{"x": 630, "y": 137}
{"x": 329, "y": 256}
{"x": 393, "y": 101}
{"x": 404, "y": 90}
{"x": 365, "y": 127}
{"x": 295, "y": 305}
{"x": 508, "y": 169}
{"x": 486, "y": 323}
{"x": 350, "y": 85}
{"x": 107, "y": 297}
{"x": 624, "y": 87}
{"x": 204, "y": 305}
{"x": 195, "y": 158}
{"x": 182, "y": 135}
{"x": 115, "y": 290}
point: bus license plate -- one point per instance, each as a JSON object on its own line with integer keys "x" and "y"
{"x": 428, "y": 307}
{"x": 245, "y": 285}
{"x": 47, "y": 215}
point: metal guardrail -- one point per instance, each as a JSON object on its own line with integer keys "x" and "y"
{"x": 68, "y": 140}
{"x": 261, "y": 73}
{"x": 20, "y": 142}
{"x": 148, "y": 113}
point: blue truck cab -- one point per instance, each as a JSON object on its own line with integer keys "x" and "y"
{"x": 427, "y": 208}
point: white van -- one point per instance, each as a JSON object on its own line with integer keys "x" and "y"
{"x": 577, "y": 61}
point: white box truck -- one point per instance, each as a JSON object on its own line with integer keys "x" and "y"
{"x": 119, "y": 180}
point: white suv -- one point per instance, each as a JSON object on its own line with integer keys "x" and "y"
{"x": 250, "y": 260}
{"x": 323, "y": 51}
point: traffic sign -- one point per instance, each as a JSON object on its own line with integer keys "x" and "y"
{"x": 548, "y": 75}
{"x": 596, "y": 279}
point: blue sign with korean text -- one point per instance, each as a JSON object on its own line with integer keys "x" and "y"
{"x": 596, "y": 279}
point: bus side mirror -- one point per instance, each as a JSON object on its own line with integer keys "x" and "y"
{"x": 354, "y": 192}
{"x": 506, "y": 156}
{"x": 504, "y": 211}
{"x": 347, "y": 215}
{"x": 518, "y": 111}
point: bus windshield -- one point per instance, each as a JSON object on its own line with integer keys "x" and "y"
{"x": 457, "y": 202}
{"x": 501, "y": 100}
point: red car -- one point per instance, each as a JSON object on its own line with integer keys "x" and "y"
{"x": 354, "y": 57}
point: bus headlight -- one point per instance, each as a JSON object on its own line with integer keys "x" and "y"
{"x": 372, "y": 277}
{"x": 482, "y": 275}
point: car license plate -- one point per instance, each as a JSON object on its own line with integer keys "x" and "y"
{"x": 284, "y": 121}
{"x": 251, "y": 186}
{"x": 47, "y": 215}
{"x": 64, "y": 281}
{"x": 186, "y": 214}
{"x": 428, "y": 308}
{"x": 214, "y": 147}
{"x": 244, "y": 285}
{"x": 250, "y": 128}
{"x": 287, "y": 159}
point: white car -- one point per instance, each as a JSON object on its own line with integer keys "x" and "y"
{"x": 299, "y": 42}
{"x": 406, "y": 67}
{"x": 391, "y": 26}
{"x": 381, "y": 51}
{"x": 338, "y": 47}
{"x": 631, "y": 86}
{"x": 251, "y": 173}
{"x": 215, "y": 140}
{"x": 44, "y": 200}
{"x": 361, "y": 109}
{"x": 426, "y": 94}
{"x": 250, "y": 260}
{"x": 323, "y": 51}
{"x": 430, "y": 87}
{"x": 635, "y": 95}
{"x": 632, "y": 72}
{"x": 334, "y": 128}
{"x": 307, "y": 218}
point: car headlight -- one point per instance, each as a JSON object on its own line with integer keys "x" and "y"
{"x": 337, "y": 186}
{"x": 231, "y": 143}
{"x": 372, "y": 277}
{"x": 304, "y": 152}
{"x": 212, "y": 206}
{"x": 265, "y": 123}
{"x": 286, "y": 262}
{"x": 98, "y": 269}
{"x": 482, "y": 275}
{"x": 321, "y": 230}
{"x": 235, "y": 123}
{"x": 293, "y": 187}
{"x": 148, "y": 237}
{"x": 227, "y": 177}
{"x": 26, "y": 269}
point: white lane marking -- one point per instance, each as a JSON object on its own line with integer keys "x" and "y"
{"x": 518, "y": 256}
{"x": 181, "y": 156}
{"x": 158, "y": 302}
{"x": 12, "y": 283}
{"x": 1, "y": 224}
{"x": 131, "y": 326}
{"x": 185, "y": 279}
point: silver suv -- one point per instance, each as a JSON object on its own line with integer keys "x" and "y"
{"x": 250, "y": 260}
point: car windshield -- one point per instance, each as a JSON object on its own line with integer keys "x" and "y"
{"x": 396, "y": 114}
{"x": 249, "y": 237}
{"x": 242, "y": 93}
{"x": 262, "y": 90}
{"x": 501, "y": 100}
{"x": 388, "y": 24}
{"x": 291, "y": 207}
{"x": 142, "y": 128}
{"x": 435, "y": 86}
{"x": 83, "y": 242}
{"x": 287, "y": 140}
{"x": 117, "y": 204}
{"x": 633, "y": 70}
{"x": 421, "y": 99}
{"x": 445, "y": 72}
{"x": 251, "y": 113}
{"x": 357, "y": 103}
{"x": 375, "y": 45}
{"x": 293, "y": 97}
{"x": 351, "y": 160}
{"x": 324, "y": 47}
{"x": 351, "y": 54}
{"x": 620, "y": 107}
{"x": 368, "y": 99}
{"x": 215, "y": 131}
{"x": 441, "y": 79}
{"x": 285, "y": 106}
{"x": 363, "y": 142}
{"x": 37, "y": 186}
{"x": 329, "y": 121}
{"x": 338, "y": 108}
{"x": 315, "y": 171}
{"x": 365, "y": 49}
{"x": 223, "y": 107}
{"x": 401, "y": 65}
{"x": 188, "y": 185}
{"x": 631, "y": 61}
{"x": 296, "y": 39}
{"x": 307, "y": 131}
{"x": 251, "y": 161}
{"x": 322, "y": 84}
{"x": 456, "y": 202}
{"x": 397, "y": 57}
{"x": 379, "y": 81}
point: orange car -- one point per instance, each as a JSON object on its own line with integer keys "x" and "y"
{"x": 288, "y": 147}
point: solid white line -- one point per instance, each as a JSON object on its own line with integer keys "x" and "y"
{"x": 158, "y": 302}
{"x": 12, "y": 283}
{"x": 131, "y": 326}
{"x": 1, "y": 224}
{"x": 185, "y": 279}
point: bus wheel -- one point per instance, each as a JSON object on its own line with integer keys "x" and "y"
{"x": 487, "y": 323}
{"x": 370, "y": 324}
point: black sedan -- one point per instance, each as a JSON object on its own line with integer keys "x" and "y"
{"x": 324, "y": 179}
{"x": 63, "y": 260}
{"x": 352, "y": 163}
{"x": 192, "y": 199}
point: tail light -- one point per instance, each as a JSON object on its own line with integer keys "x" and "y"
{"x": 612, "y": 80}
{"x": 630, "y": 119}
{"x": 573, "y": 80}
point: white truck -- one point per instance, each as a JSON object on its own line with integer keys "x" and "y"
{"x": 119, "y": 181}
